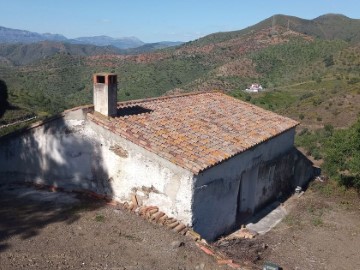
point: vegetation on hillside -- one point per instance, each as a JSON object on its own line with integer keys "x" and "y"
{"x": 340, "y": 149}
{"x": 342, "y": 156}
{"x": 282, "y": 63}
{"x": 23, "y": 54}
{"x": 328, "y": 27}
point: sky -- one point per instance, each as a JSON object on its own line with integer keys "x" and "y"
{"x": 157, "y": 20}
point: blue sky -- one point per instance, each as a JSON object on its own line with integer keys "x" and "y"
{"x": 157, "y": 20}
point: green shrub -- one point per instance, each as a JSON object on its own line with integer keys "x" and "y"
{"x": 354, "y": 80}
{"x": 342, "y": 156}
{"x": 329, "y": 60}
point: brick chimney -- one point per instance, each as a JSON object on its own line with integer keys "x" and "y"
{"x": 105, "y": 93}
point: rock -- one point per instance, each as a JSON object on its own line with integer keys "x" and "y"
{"x": 200, "y": 266}
{"x": 177, "y": 244}
{"x": 193, "y": 235}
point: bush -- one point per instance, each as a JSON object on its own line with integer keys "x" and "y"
{"x": 306, "y": 95}
{"x": 316, "y": 154}
{"x": 354, "y": 80}
{"x": 318, "y": 80}
{"x": 342, "y": 156}
{"x": 329, "y": 61}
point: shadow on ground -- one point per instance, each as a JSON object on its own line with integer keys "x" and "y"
{"x": 53, "y": 154}
{"x": 25, "y": 211}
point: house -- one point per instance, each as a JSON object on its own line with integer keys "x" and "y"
{"x": 206, "y": 158}
{"x": 254, "y": 88}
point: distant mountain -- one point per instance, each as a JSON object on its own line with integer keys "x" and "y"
{"x": 11, "y": 36}
{"x": 148, "y": 47}
{"x": 121, "y": 43}
{"x": 329, "y": 27}
{"x": 8, "y": 35}
{"x": 22, "y": 54}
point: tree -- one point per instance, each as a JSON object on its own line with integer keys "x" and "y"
{"x": 329, "y": 60}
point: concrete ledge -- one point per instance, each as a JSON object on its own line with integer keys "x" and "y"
{"x": 85, "y": 108}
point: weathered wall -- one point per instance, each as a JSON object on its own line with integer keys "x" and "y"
{"x": 243, "y": 184}
{"x": 132, "y": 168}
{"x": 105, "y": 98}
{"x": 74, "y": 153}
{"x": 55, "y": 153}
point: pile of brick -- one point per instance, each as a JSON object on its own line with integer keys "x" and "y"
{"x": 153, "y": 214}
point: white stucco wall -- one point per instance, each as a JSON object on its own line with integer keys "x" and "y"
{"x": 73, "y": 153}
{"x": 171, "y": 184}
{"x": 216, "y": 190}
{"x": 55, "y": 152}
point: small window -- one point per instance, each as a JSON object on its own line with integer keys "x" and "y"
{"x": 100, "y": 79}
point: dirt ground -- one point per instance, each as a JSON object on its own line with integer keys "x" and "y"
{"x": 73, "y": 233}
{"x": 322, "y": 231}
{"x": 42, "y": 230}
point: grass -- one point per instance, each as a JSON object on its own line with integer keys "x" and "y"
{"x": 292, "y": 221}
{"x": 333, "y": 189}
{"x": 130, "y": 237}
{"x": 13, "y": 128}
{"x": 317, "y": 221}
{"x": 328, "y": 190}
{"x": 99, "y": 218}
{"x": 78, "y": 208}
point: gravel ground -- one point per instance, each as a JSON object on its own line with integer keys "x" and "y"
{"x": 44, "y": 230}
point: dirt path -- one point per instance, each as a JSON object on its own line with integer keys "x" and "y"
{"x": 70, "y": 233}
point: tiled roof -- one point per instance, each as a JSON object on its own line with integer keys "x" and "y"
{"x": 195, "y": 131}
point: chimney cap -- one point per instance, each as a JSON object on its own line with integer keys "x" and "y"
{"x": 105, "y": 74}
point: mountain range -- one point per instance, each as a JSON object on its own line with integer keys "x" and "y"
{"x": 11, "y": 36}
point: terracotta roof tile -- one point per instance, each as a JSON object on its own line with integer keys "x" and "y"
{"x": 196, "y": 131}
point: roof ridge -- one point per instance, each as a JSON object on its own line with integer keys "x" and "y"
{"x": 194, "y": 93}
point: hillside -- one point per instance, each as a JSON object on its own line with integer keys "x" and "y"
{"x": 329, "y": 27}
{"x": 310, "y": 78}
{"x": 24, "y": 54}
{"x": 149, "y": 47}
